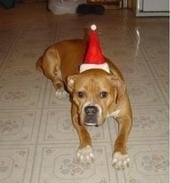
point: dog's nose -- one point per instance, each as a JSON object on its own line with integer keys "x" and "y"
{"x": 91, "y": 115}
{"x": 91, "y": 110}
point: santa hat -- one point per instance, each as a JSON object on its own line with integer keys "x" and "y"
{"x": 94, "y": 58}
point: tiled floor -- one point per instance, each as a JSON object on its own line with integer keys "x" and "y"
{"x": 37, "y": 140}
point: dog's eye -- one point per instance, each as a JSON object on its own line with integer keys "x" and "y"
{"x": 103, "y": 94}
{"x": 81, "y": 94}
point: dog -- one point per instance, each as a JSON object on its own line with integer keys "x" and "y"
{"x": 95, "y": 95}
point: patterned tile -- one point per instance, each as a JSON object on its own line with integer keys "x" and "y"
{"x": 15, "y": 164}
{"x": 7, "y": 39}
{"x": 19, "y": 73}
{"x": 156, "y": 51}
{"x": 58, "y": 164}
{"x": 136, "y": 70}
{"x": 144, "y": 92}
{"x": 24, "y": 57}
{"x": 164, "y": 88}
{"x": 120, "y": 52}
{"x": 73, "y": 27}
{"x": 27, "y": 43}
{"x": 19, "y": 127}
{"x": 18, "y": 95}
{"x": 159, "y": 69}
{"x": 148, "y": 163}
{"x": 150, "y": 124}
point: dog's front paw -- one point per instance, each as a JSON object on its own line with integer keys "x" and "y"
{"x": 120, "y": 161}
{"x": 61, "y": 93}
{"x": 85, "y": 155}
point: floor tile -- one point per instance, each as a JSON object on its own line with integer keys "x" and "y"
{"x": 58, "y": 164}
{"x": 18, "y": 95}
{"x": 164, "y": 88}
{"x": 144, "y": 92}
{"x": 19, "y": 126}
{"x": 150, "y": 124}
{"x": 159, "y": 69}
{"x": 22, "y": 73}
{"x": 134, "y": 69}
{"x": 16, "y": 164}
{"x": 149, "y": 163}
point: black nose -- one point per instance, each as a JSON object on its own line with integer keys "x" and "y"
{"x": 91, "y": 115}
{"x": 91, "y": 110}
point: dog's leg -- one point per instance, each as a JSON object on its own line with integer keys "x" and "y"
{"x": 120, "y": 156}
{"x": 59, "y": 87}
{"x": 85, "y": 153}
{"x": 49, "y": 64}
{"x": 58, "y": 84}
{"x": 55, "y": 77}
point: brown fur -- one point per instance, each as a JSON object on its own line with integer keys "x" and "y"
{"x": 60, "y": 63}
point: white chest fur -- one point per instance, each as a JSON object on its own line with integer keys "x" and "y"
{"x": 114, "y": 114}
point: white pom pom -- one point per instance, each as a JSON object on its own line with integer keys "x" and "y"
{"x": 93, "y": 27}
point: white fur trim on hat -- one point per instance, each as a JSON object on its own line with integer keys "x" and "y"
{"x": 84, "y": 67}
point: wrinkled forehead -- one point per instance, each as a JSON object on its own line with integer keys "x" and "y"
{"x": 92, "y": 83}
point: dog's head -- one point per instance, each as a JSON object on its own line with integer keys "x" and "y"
{"x": 95, "y": 93}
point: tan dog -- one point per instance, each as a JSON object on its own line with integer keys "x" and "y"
{"x": 95, "y": 95}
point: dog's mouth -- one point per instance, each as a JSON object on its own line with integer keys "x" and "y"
{"x": 91, "y": 120}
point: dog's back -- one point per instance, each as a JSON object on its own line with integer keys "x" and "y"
{"x": 61, "y": 60}
{"x": 71, "y": 56}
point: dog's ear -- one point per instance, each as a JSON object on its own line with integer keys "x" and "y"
{"x": 70, "y": 82}
{"x": 120, "y": 86}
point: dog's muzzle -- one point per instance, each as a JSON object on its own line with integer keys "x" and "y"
{"x": 91, "y": 115}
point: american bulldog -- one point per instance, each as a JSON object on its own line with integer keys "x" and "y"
{"x": 94, "y": 93}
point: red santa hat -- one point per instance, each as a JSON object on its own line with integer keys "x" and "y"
{"x": 94, "y": 58}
